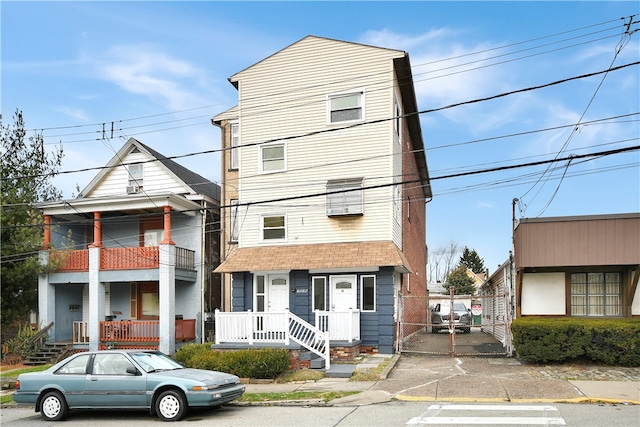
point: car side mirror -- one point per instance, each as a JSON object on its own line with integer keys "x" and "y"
{"x": 132, "y": 370}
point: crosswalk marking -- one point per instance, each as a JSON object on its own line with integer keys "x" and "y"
{"x": 434, "y": 415}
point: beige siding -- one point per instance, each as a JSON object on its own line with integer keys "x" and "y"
{"x": 155, "y": 179}
{"x": 286, "y": 95}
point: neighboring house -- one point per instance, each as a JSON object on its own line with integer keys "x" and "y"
{"x": 324, "y": 187}
{"x": 578, "y": 266}
{"x": 131, "y": 258}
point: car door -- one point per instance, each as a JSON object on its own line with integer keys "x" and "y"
{"x": 110, "y": 386}
{"x": 71, "y": 377}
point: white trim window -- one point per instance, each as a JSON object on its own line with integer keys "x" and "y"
{"x": 397, "y": 120}
{"x": 136, "y": 178}
{"x": 235, "y": 142}
{"x": 273, "y": 157}
{"x": 596, "y": 294}
{"x": 345, "y": 197}
{"x": 397, "y": 203}
{"x": 233, "y": 217}
{"x": 319, "y": 292}
{"x": 345, "y": 107}
{"x": 273, "y": 228}
{"x": 368, "y": 293}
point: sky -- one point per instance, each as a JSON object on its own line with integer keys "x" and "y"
{"x": 89, "y": 75}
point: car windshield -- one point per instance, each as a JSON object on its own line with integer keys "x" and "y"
{"x": 458, "y": 306}
{"x": 152, "y": 362}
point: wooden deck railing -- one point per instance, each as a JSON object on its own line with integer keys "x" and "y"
{"x": 341, "y": 325}
{"x": 134, "y": 258}
{"x": 138, "y": 331}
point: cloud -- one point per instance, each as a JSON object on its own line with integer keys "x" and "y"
{"x": 144, "y": 70}
{"x": 74, "y": 113}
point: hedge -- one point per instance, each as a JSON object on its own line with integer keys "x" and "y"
{"x": 264, "y": 363}
{"x": 564, "y": 339}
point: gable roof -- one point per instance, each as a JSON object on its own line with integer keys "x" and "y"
{"x": 197, "y": 183}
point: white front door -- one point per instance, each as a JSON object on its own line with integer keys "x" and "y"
{"x": 278, "y": 292}
{"x": 343, "y": 293}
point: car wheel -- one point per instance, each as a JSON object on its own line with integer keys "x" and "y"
{"x": 171, "y": 406}
{"x": 53, "y": 407}
{"x": 434, "y": 330}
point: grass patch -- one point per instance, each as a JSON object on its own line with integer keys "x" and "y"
{"x": 300, "y": 375}
{"x": 6, "y": 399}
{"x": 370, "y": 374}
{"x": 15, "y": 372}
{"x": 294, "y": 395}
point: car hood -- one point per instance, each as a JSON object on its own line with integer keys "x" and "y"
{"x": 207, "y": 377}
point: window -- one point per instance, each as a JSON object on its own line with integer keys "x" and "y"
{"x": 235, "y": 141}
{"x": 368, "y": 293}
{"x": 346, "y": 107}
{"x": 272, "y": 158}
{"x": 319, "y": 290}
{"x": 596, "y": 294}
{"x": 344, "y": 197}
{"x": 260, "y": 293}
{"x": 274, "y": 227}
{"x": 397, "y": 203}
{"x": 136, "y": 175}
{"x": 233, "y": 237}
{"x": 153, "y": 237}
{"x": 397, "y": 121}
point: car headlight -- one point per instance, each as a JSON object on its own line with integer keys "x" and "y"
{"x": 203, "y": 387}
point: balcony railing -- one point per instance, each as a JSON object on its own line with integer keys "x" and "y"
{"x": 135, "y": 258}
{"x": 133, "y": 331}
{"x": 341, "y": 325}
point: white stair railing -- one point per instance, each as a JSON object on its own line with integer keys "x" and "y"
{"x": 310, "y": 337}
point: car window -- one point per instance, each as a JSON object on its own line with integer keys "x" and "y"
{"x": 110, "y": 364}
{"x": 458, "y": 306}
{"x": 77, "y": 365}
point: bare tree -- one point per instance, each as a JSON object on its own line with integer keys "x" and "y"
{"x": 442, "y": 261}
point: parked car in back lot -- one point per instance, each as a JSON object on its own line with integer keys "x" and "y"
{"x": 461, "y": 317}
{"x": 124, "y": 379}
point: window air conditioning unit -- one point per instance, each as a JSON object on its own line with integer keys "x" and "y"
{"x": 133, "y": 189}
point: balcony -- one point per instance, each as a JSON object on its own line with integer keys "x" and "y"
{"x": 135, "y": 258}
{"x": 133, "y": 333}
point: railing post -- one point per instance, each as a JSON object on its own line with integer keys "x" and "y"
{"x": 286, "y": 330}
{"x": 250, "y": 328}
{"x": 217, "y": 325}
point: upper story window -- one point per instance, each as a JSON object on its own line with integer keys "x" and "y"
{"x": 346, "y": 107}
{"x": 596, "y": 294}
{"x": 136, "y": 175}
{"x": 235, "y": 142}
{"x": 272, "y": 157}
{"x": 397, "y": 120}
{"x": 273, "y": 228}
{"x": 345, "y": 197}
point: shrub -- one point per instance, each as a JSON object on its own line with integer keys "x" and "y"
{"x": 20, "y": 345}
{"x": 265, "y": 363}
{"x": 607, "y": 341}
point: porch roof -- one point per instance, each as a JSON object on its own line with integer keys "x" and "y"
{"x": 316, "y": 257}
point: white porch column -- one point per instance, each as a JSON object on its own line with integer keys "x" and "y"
{"x": 167, "y": 295}
{"x": 46, "y": 298}
{"x": 96, "y": 298}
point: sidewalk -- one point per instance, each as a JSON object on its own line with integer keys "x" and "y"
{"x": 420, "y": 378}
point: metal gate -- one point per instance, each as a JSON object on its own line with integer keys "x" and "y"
{"x": 480, "y": 327}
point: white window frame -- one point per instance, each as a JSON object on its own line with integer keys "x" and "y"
{"x": 333, "y": 96}
{"x": 375, "y": 290}
{"x": 284, "y": 157}
{"x": 262, "y": 228}
{"x": 135, "y": 174}
{"x": 596, "y": 302}
{"x": 233, "y": 221}
{"x": 397, "y": 121}
{"x": 234, "y": 143}
{"x": 397, "y": 203}
{"x": 313, "y": 293}
{"x": 339, "y": 201}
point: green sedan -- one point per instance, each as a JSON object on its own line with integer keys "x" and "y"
{"x": 124, "y": 379}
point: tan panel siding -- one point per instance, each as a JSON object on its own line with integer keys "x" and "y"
{"x": 155, "y": 179}
{"x": 578, "y": 243}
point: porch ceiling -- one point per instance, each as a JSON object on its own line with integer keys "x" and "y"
{"x": 313, "y": 257}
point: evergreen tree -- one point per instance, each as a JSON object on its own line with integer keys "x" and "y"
{"x": 25, "y": 178}
{"x": 472, "y": 261}
{"x": 460, "y": 281}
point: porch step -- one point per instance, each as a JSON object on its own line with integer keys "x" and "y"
{"x": 49, "y": 353}
{"x": 315, "y": 361}
{"x": 340, "y": 370}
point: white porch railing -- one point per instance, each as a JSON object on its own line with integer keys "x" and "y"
{"x": 271, "y": 327}
{"x": 341, "y": 325}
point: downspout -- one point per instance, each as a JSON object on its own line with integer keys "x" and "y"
{"x": 203, "y": 278}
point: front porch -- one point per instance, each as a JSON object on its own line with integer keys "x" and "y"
{"x": 132, "y": 334}
{"x": 249, "y": 328}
